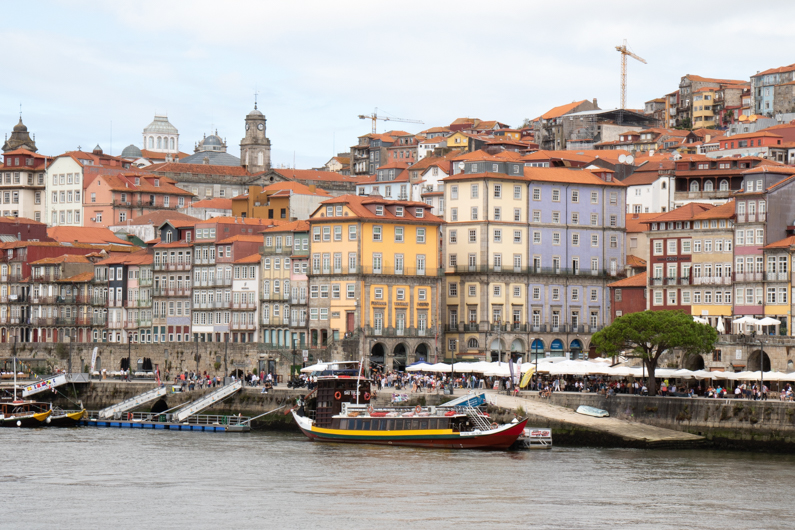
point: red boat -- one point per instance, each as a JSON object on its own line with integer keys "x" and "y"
{"x": 340, "y": 411}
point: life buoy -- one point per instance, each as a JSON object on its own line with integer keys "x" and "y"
{"x": 129, "y": 415}
{"x": 494, "y": 425}
{"x": 370, "y": 410}
{"x": 418, "y": 409}
{"x": 367, "y": 396}
{"x": 337, "y": 395}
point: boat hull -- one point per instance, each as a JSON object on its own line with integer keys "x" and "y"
{"x": 69, "y": 419}
{"x": 28, "y": 420}
{"x": 499, "y": 439}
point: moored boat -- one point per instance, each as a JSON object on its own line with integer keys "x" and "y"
{"x": 340, "y": 411}
{"x": 19, "y": 413}
{"x": 66, "y": 418}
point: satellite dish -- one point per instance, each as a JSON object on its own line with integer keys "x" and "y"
{"x": 622, "y": 158}
{"x": 461, "y": 166}
{"x": 630, "y": 159}
{"x": 651, "y": 152}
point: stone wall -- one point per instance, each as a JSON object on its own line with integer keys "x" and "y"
{"x": 726, "y": 423}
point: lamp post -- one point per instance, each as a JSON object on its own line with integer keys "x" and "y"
{"x": 129, "y": 363}
{"x": 196, "y": 340}
{"x": 226, "y": 367}
{"x": 761, "y": 370}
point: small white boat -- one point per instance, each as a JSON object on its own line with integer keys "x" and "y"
{"x": 592, "y": 411}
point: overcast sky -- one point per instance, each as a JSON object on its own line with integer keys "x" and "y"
{"x": 77, "y": 66}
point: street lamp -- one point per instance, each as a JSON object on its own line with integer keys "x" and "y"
{"x": 761, "y": 370}
{"x": 129, "y": 363}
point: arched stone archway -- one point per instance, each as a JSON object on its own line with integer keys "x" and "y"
{"x": 694, "y": 362}
{"x": 238, "y": 374}
{"x": 754, "y": 361}
{"x": 536, "y": 349}
{"x": 518, "y": 345}
{"x": 400, "y": 357}
{"x": 377, "y": 355}
{"x": 556, "y": 348}
{"x": 423, "y": 352}
{"x": 576, "y": 349}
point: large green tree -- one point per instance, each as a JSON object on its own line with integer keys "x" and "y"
{"x": 647, "y": 335}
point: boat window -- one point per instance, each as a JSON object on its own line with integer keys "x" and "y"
{"x": 424, "y": 423}
{"x": 432, "y": 424}
{"x": 382, "y": 425}
{"x": 390, "y": 424}
{"x": 344, "y": 423}
{"x": 398, "y": 425}
{"x": 366, "y": 423}
{"x": 415, "y": 424}
{"x": 356, "y": 425}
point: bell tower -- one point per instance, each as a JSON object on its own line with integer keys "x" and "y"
{"x": 255, "y": 148}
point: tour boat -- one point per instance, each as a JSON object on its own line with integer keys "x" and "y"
{"x": 19, "y": 413}
{"x": 66, "y": 418}
{"x": 340, "y": 411}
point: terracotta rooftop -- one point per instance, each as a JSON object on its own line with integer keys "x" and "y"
{"x": 295, "y": 226}
{"x": 241, "y": 237}
{"x": 66, "y": 258}
{"x": 217, "y": 203}
{"x": 639, "y": 280}
{"x": 254, "y": 258}
{"x": 359, "y": 207}
{"x": 85, "y": 234}
{"x": 635, "y": 222}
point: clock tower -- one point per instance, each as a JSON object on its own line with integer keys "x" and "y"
{"x": 255, "y": 148}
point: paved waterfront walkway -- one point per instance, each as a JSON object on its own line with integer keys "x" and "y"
{"x": 636, "y": 433}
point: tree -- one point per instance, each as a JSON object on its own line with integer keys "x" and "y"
{"x": 649, "y": 334}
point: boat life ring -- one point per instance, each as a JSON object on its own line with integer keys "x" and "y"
{"x": 370, "y": 410}
{"x": 337, "y": 395}
{"x": 129, "y": 416}
{"x": 367, "y": 396}
{"x": 418, "y": 409}
{"x": 494, "y": 425}
{"x": 450, "y": 413}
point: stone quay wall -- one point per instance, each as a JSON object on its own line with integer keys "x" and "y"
{"x": 727, "y": 423}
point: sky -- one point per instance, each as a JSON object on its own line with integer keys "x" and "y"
{"x": 89, "y": 73}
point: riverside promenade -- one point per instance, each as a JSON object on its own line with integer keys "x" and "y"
{"x": 570, "y": 427}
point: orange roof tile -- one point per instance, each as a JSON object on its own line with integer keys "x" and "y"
{"x": 217, "y": 203}
{"x": 635, "y": 222}
{"x": 142, "y": 257}
{"x": 241, "y": 237}
{"x": 358, "y": 204}
{"x": 556, "y": 112}
{"x": 635, "y": 262}
{"x": 85, "y": 234}
{"x": 787, "y": 242}
{"x": 157, "y": 218}
{"x": 569, "y": 175}
{"x": 82, "y": 277}
{"x": 294, "y": 226}
{"x": 296, "y": 187}
{"x": 683, "y": 213}
{"x": 254, "y": 258}
{"x": 639, "y": 280}
{"x": 315, "y": 176}
{"x": 19, "y": 220}
{"x": 724, "y": 211}
{"x": 66, "y": 258}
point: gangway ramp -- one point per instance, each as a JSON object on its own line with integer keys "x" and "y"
{"x": 133, "y": 402}
{"x": 207, "y": 401}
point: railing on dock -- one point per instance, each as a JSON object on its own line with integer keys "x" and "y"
{"x": 158, "y": 417}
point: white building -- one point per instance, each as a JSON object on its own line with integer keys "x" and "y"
{"x": 161, "y": 137}
{"x": 244, "y": 326}
{"x": 650, "y": 192}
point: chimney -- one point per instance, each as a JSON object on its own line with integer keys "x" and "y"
{"x": 594, "y": 102}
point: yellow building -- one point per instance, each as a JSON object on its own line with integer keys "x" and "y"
{"x": 711, "y": 254}
{"x": 778, "y": 278}
{"x": 374, "y": 279}
{"x": 703, "y": 108}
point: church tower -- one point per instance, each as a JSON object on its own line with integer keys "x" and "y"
{"x": 255, "y": 148}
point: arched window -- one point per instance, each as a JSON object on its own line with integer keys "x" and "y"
{"x": 260, "y": 159}
{"x": 168, "y": 238}
{"x": 537, "y": 346}
{"x": 557, "y": 345}
{"x": 694, "y": 185}
{"x": 171, "y": 144}
{"x": 159, "y": 143}
{"x": 151, "y": 142}
{"x": 724, "y": 185}
{"x": 663, "y": 185}
{"x": 472, "y": 343}
{"x": 708, "y": 186}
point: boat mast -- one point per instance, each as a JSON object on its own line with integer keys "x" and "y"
{"x": 359, "y": 379}
{"x": 15, "y": 378}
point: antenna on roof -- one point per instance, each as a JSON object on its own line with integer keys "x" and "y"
{"x": 20, "y": 110}
{"x": 256, "y": 93}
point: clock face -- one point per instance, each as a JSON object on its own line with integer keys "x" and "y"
{"x": 248, "y": 126}
{"x": 260, "y": 126}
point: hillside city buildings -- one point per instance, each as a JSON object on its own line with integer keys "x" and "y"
{"x": 467, "y": 241}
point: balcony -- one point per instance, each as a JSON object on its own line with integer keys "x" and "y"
{"x": 399, "y": 331}
{"x": 84, "y": 321}
{"x": 748, "y": 276}
{"x": 776, "y": 276}
{"x": 66, "y": 321}
{"x": 243, "y": 326}
{"x": 42, "y": 321}
{"x": 219, "y": 282}
{"x": 535, "y": 271}
{"x": 115, "y": 303}
{"x": 46, "y": 277}
{"x": 392, "y": 271}
{"x": 115, "y": 325}
{"x": 716, "y": 280}
{"x": 99, "y": 320}
{"x": 130, "y": 324}
{"x": 145, "y": 282}
{"x": 17, "y": 299}
{"x": 274, "y": 296}
{"x": 99, "y": 300}
{"x": 702, "y": 195}
{"x": 248, "y": 306}
{"x": 169, "y": 266}
{"x": 99, "y": 281}
{"x": 472, "y": 326}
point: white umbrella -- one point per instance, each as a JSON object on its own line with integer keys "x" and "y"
{"x": 463, "y": 368}
{"x": 440, "y": 368}
{"x": 684, "y": 374}
{"x": 721, "y": 326}
{"x": 767, "y": 321}
{"x": 746, "y": 320}
{"x": 421, "y": 367}
{"x": 319, "y": 367}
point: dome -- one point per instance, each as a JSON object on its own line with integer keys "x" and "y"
{"x": 255, "y": 114}
{"x": 161, "y": 125}
{"x": 20, "y": 127}
{"x": 131, "y": 151}
{"x": 212, "y": 140}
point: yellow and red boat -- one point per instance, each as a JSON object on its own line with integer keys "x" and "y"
{"x": 19, "y": 413}
{"x": 340, "y": 411}
{"x": 66, "y": 418}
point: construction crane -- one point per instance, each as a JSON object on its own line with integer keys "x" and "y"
{"x": 624, "y": 52}
{"x": 374, "y": 116}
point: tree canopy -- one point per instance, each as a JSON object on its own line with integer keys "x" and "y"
{"x": 649, "y": 334}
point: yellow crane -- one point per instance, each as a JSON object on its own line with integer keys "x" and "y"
{"x": 624, "y": 52}
{"x": 374, "y": 116}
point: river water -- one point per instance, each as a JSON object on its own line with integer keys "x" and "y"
{"x": 104, "y": 478}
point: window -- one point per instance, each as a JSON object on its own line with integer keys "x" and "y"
{"x": 555, "y": 195}
{"x": 453, "y": 236}
{"x": 376, "y": 233}
{"x": 473, "y": 236}
{"x": 594, "y": 240}
{"x": 517, "y": 192}
{"x": 497, "y": 191}
{"x": 473, "y": 191}
{"x": 398, "y": 234}
{"x": 474, "y": 213}
{"x": 536, "y": 194}
{"x": 453, "y": 289}
{"x": 517, "y": 236}
{"x": 575, "y": 196}
{"x": 594, "y": 219}
{"x": 420, "y": 235}
{"x": 686, "y": 246}
{"x": 672, "y": 247}
{"x": 497, "y": 236}
{"x": 351, "y": 233}
{"x": 453, "y": 192}
{"x": 556, "y": 238}
{"x": 594, "y": 197}
{"x": 497, "y": 213}
{"x": 575, "y": 240}
{"x": 536, "y": 238}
